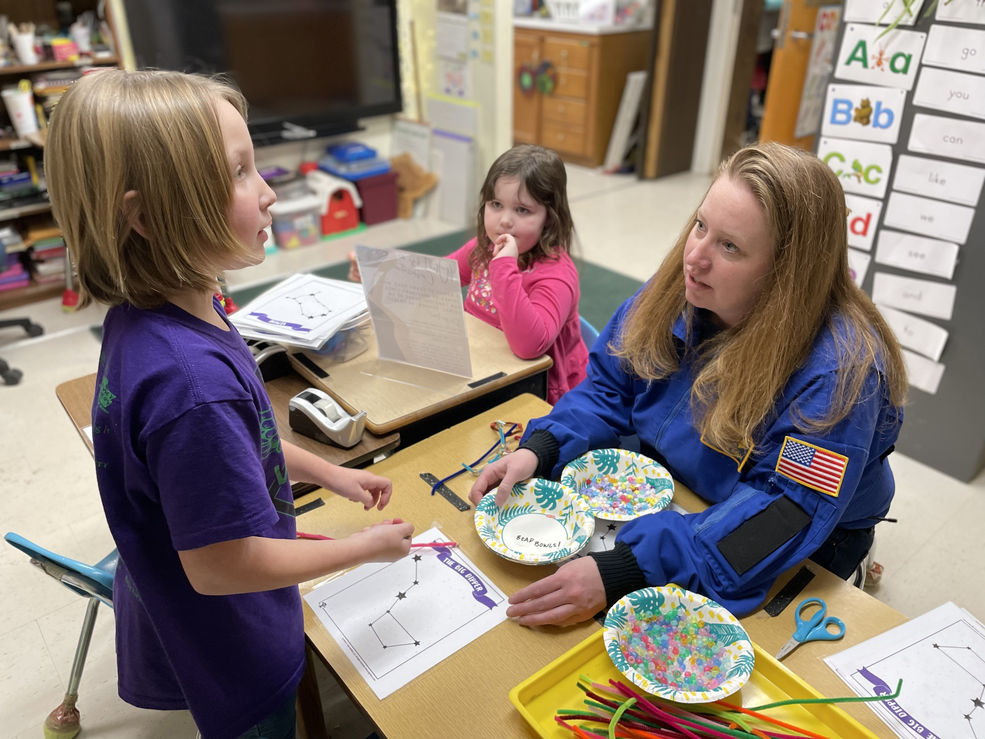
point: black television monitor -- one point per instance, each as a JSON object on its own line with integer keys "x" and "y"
{"x": 304, "y": 65}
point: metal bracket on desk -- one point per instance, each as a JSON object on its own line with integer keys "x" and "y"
{"x": 445, "y": 492}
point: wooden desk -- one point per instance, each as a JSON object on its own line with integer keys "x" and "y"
{"x": 445, "y": 701}
{"x": 420, "y": 402}
{"x": 76, "y": 397}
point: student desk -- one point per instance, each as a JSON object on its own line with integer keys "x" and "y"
{"x": 469, "y": 692}
{"x": 420, "y": 402}
{"x": 76, "y": 397}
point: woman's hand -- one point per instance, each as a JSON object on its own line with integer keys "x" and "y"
{"x": 573, "y": 594}
{"x": 506, "y": 471}
{"x": 505, "y": 248}
{"x": 360, "y": 486}
{"x": 387, "y": 541}
{"x": 354, "y": 275}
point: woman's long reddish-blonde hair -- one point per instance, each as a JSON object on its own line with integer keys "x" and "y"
{"x": 742, "y": 370}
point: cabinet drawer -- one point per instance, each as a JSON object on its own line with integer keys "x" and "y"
{"x": 563, "y": 138}
{"x": 563, "y": 110}
{"x": 572, "y": 84}
{"x": 567, "y": 54}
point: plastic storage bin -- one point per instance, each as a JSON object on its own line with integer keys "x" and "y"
{"x": 379, "y": 196}
{"x": 296, "y": 221}
{"x": 347, "y": 343}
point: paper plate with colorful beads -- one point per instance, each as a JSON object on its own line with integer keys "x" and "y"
{"x": 678, "y": 645}
{"x": 540, "y": 523}
{"x": 619, "y": 485}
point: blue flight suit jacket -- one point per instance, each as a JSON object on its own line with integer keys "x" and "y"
{"x": 715, "y": 552}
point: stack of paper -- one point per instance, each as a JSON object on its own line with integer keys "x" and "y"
{"x": 303, "y": 310}
{"x": 940, "y": 657}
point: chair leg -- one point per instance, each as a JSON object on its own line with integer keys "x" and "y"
{"x": 63, "y": 722}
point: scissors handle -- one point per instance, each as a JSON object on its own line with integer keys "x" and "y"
{"x": 815, "y": 628}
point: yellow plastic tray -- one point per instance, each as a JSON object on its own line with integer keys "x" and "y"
{"x": 540, "y": 695}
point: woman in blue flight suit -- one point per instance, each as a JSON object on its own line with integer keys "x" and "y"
{"x": 754, "y": 369}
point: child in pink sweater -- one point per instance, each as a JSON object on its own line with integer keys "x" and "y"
{"x": 520, "y": 276}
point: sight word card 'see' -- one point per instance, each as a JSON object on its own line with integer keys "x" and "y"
{"x": 917, "y": 253}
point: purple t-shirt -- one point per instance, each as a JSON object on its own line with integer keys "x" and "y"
{"x": 187, "y": 455}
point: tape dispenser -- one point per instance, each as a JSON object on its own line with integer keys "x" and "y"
{"x": 316, "y": 415}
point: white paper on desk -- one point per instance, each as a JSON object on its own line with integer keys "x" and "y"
{"x": 940, "y": 656}
{"x": 916, "y": 333}
{"x": 415, "y": 302}
{"x": 960, "y": 12}
{"x": 928, "y": 298}
{"x": 957, "y": 48}
{"x": 935, "y": 178}
{"x": 858, "y": 265}
{"x": 872, "y": 56}
{"x": 947, "y": 137}
{"x": 922, "y": 373}
{"x": 871, "y": 11}
{"x": 917, "y": 254}
{"x": 929, "y": 217}
{"x": 861, "y": 167}
{"x": 422, "y": 609}
{"x": 452, "y": 36}
{"x": 863, "y": 218}
{"x": 952, "y": 92}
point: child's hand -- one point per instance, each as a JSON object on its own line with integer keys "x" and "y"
{"x": 361, "y": 486}
{"x": 388, "y": 541}
{"x": 505, "y": 248}
{"x": 354, "y": 275}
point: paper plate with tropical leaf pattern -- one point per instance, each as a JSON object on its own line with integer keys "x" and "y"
{"x": 620, "y": 463}
{"x": 540, "y": 523}
{"x": 731, "y": 640}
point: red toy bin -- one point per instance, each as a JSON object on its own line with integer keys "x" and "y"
{"x": 379, "y": 195}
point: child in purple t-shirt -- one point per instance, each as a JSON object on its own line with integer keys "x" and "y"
{"x": 153, "y": 182}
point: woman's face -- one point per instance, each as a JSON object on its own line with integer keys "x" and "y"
{"x": 728, "y": 253}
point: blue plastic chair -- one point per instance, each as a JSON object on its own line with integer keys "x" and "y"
{"x": 92, "y": 582}
{"x": 588, "y": 333}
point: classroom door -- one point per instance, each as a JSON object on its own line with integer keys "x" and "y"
{"x": 802, "y": 53}
{"x": 526, "y": 105}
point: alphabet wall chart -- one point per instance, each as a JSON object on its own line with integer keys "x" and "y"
{"x": 903, "y": 128}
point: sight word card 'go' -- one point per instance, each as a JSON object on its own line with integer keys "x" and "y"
{"x": 957, "y": 48}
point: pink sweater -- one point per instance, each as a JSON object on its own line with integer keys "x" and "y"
{"x": 536, "y": 309}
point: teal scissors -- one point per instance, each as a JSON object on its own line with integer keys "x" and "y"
{"x": 813, "y": 629}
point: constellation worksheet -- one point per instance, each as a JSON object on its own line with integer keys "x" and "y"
{"x": 395, "y": 621}
{"x": 940, "y": 657}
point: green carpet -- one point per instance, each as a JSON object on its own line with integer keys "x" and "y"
{"x": 602, "y": 290}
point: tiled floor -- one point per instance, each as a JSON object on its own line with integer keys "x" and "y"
{"x": 48, "y": 491}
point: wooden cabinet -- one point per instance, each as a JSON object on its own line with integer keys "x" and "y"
{"x": 576, "y": 118}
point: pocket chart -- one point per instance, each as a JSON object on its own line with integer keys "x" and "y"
{"x": 934, "y": 178}
{"x": 863, "y": 112}
{"x": 953, "y": 92}
{"x": 923, "y": 374}
{"x": 927, "y": 298}
{"x": 916, "y": 333}
{"x": 858, "y": 265}
{"x": 871, "y": 11}
{"x": 947, "y": 137}
{"x": 862, "y": 167}
{"x": 962, "y": 49}
{"x": 863, "y": 217}
{"x": 929, "y": 217}
{"x": 871, "y": 56}
{"x": 917, "y": 254}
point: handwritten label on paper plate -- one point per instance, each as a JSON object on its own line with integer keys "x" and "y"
{"x": 916, "y": 333}
{"x": 863, "y": 112}
{"x": 955, "y": 183}
{"x": 952, "y": 92}
{"x": 871, "y": 11}
{"x": 917, "y": 254}
{"x": 929, "y": 217}
{"x": 862, "y": 167}
{"x": 962, "y": 49}
{"x": 863, "y": 217}
{"x": 870, "y": 55}
{"x": 917, "y": 296}
{"x": 948, "y": 137}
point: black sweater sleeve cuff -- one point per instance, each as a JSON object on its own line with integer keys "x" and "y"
{"x": 548, "y": 451}
{"x": 621, "y": 574}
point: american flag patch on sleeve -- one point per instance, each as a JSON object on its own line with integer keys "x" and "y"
{"x": 812, "y": 466}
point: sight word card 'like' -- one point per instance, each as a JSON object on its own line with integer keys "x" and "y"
{"x": 397, "y": 620}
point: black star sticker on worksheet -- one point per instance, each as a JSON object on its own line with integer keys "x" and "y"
{"x": 978, "y": 703}
{"x": 417, "y": 557}
{"x": 401, "y": 596}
